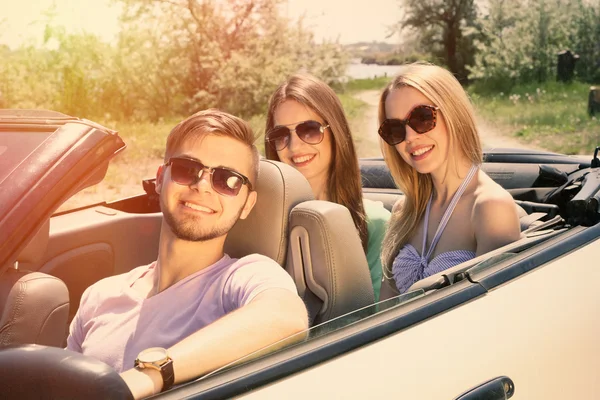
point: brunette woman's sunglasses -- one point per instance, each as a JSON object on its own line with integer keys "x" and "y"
{"x": 310, "y": 132}
{"x": 421, "y": 119}
{"x": 225, "y": 181}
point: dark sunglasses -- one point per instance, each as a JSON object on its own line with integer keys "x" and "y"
{"x": 225, "y": 181}
{"x": 421, "y": 119}
{"x": 310, "y": 132}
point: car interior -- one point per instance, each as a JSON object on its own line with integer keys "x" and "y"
{"x": 313, "y": 240}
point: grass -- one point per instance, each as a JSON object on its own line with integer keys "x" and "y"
{"x": 355, "y": 110}
{"x": 552, "y": 115}
{"x": 367, "y": 84}
{"x": 353, "y": 107}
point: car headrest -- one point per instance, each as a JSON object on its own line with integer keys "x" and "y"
{"x": 327, "y": 261}
{"x": 35, "y": 249}
{"x": 280, "y": 187}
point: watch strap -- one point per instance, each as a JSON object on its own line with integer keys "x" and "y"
{"x": 168, "y": 374}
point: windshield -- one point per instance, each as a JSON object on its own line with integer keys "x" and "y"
{"x": 330, "y": 326}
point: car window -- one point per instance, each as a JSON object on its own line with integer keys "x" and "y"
{"x": 358, "y": 315}
{"x": 328, "y": 327}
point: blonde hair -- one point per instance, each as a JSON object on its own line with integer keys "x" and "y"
{"x": 445, "y": 92}
{"x": 344, "y": 183}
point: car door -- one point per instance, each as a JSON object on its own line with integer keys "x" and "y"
{"x": 540, "y": 330}
{"x": 48, "y": 157}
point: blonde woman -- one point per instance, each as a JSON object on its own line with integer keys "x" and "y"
{"x": 451, "y": 211}
{"x": 307, "y": 129}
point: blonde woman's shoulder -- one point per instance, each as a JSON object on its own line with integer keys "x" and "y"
{"x": 495, "y": 218}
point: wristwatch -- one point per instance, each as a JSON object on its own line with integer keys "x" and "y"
{"x": 158, "y": 359}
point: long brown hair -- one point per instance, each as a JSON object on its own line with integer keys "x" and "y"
{"x": 444, "y": 91}
{"x": 344, "y": 184}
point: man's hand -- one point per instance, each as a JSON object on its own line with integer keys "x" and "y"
{"x": 143, "y": 383}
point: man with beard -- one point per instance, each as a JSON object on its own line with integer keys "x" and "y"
{"x": 194, "y": 309}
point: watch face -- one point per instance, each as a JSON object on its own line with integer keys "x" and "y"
{"x": 152, "y": 355}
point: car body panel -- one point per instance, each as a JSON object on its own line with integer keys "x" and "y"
{"x": 541, "y": 330}
{"x": 95, "y": 243}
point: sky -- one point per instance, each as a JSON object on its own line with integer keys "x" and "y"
{"x": 21, "y": 21}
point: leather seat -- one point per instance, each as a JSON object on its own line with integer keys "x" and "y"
{"x": 327, "y": 261}
{"x": 315, "y": 241}
{"x": 34, "y": 306}
{"x": 280, "y": 188}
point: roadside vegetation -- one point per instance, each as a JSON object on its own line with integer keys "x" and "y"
{"x": 173, "y": 58}
{"x": 378, "y": 83}
{"x": 551, "y": 115}
{"x": 507, "y": 54}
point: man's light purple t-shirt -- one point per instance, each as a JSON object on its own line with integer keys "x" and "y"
{"x": 114, "y": 322}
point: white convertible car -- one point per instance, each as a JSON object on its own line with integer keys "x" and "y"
{"x": 521, "y": 322}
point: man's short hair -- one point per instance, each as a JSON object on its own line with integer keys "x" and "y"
{"x": 214, "y": 122}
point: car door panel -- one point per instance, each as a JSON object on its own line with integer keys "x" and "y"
{"x": 91, "y": 244}
{"x": 540, "y": 330}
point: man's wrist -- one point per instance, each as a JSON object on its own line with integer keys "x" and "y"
{"x": 143, "y": 383}
{"x": 157, "y": 358}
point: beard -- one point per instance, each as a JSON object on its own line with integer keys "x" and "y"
{"x": 193, "y": 229}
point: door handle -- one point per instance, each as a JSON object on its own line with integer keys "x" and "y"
{"x": 499, "y": 388}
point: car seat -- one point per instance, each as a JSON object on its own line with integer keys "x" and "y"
{"x": 280, "y": 188}
{"x": 34, "y": 306}
{"x": 327, "y": 261}
{"x": 315, "y": 241}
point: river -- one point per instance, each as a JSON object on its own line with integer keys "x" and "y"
{"x": 367, "y": 71}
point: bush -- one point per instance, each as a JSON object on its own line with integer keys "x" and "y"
{"x": 172, "y": 59}
{"x": 521, "y": 39}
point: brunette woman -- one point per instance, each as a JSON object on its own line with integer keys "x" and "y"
{"x": 307, "y": 129}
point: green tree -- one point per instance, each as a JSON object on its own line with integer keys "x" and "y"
{"x": 521, "y": 39}
{"x": 446, "y": 29}
{"x": 78, "y": 66}
{"x": 585, "y": 33}
{"x": 231, "y": 55}
{"x": 172, "y": 58}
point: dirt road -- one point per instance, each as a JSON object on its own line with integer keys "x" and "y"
{"x": 491, "y": 135}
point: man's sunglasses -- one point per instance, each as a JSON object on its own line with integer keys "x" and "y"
{"x": 421, "y": 119}
{"x": 225, "y": 181}
{"x": 310, "y": 132}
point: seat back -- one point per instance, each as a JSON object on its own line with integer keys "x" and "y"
{"x": 327, "y": 261}
{"x": 34, "y": 307}
{"x": 280, "y": 187}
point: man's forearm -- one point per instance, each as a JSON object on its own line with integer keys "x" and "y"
{"x": 266, "y": 320}
{"x": 272, "y": 316}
